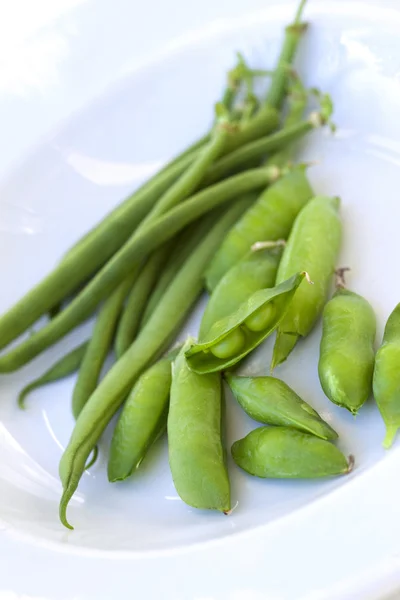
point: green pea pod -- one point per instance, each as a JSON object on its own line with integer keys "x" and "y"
{"x": 143, "y": 416}
{"x": 270, "y": 401}
{"x": 196, "y": 454}
{"x": 386, "y": 378}
{"x": 255, "y": 271}
{"x": 232, "y": 338}
{"x": 67, "y": 365}
{"x": 346, "y": 360}
{"x": 284, "y": 453}
{"x": 313, "y": 246}
{"x": 270, "y": 218}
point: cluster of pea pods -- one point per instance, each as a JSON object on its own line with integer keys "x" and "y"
{"x": 234, "y": 214}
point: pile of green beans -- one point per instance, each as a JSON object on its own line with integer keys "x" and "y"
{"x": 231, "y": 214}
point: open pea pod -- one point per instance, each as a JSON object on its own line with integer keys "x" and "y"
{"x": 230, "y": 339}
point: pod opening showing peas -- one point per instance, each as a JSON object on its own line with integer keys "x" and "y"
{"x": 230, "y": 339}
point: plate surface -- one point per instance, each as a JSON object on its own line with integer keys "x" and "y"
{"x": 69, "y": 182}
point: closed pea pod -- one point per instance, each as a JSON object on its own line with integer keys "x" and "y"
{"x": 284, "y": 453}
{"x": 143, "y": 418}
{"x": 271, "y": 401}
{"x": 346, "y": 360}
{"x": 255, "y": 271}
{"x": 67, "y": 365}
{"x": 149, "y": 344}
{"x": 270, "y": 218}
{"x": 196, "y": 454}
{"x": 386, "y": 378}
{"x": 233, "y": 337}
{"x": 313, "y": 245}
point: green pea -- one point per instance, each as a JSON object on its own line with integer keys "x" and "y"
{"x": 201, "y": 356}
{"x": 386, "y": 378}
{"x": 270, "y": 401}
{"x": 229, "y": 345}
{"x": 261, "y": 318}
{"x": 346, "y": 360}
{"x": 143, "y": 417}
{"x": 313, "y": 246}
{"x": 270, "y": 218}
{"x": 196, "y": 454}
{"x": 255, "y": 271}
{"x": 284, "y": 453}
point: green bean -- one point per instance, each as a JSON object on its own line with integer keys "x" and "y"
{"x": 297, "y": 103}
{"x": 137, "y": 300}
{"x": 67, "y": 365}
{"x": 313, "y": 245}
{"x": 284, "y": 453}
{"x": 139, "y": 247}
{"x": 184, "y": 246}
{"x": 155, "y": 336}
{"x": 233, "y": 337}
{"x": 98, "y": 347}
{"x": 386, "y": 379}
{"x": 277, "y": 90}
{"x": 196, "y": 454}
{"x": 256, "y": 270}
{"x": 347, "y": 356}
{"x": 143, "y": 418}
{"x": 250, "y": 154}
{"x": 270, "y": 401}
{"x": 270, "y": 218}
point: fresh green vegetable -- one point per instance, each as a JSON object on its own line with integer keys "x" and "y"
{"x": 196, "y": 454}
{"x": 271, "y": 401}
{"x": 284, "y": 453}
{"x": 313, "y": 245}
{"x": 232, "y": 338}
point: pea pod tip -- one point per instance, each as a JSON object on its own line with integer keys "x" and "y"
{"x": 350, "y": 464}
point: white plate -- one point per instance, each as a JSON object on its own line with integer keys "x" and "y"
{"x": 329, "y": 539}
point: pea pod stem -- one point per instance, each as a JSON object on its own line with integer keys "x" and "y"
{"x": 269, "y": 244}
{"x": 157, "y": 333}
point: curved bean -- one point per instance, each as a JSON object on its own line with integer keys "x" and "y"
{"x": 386, "y": 379}
{"x": 136, "y": 249}
{"x": 143, "y": 417}
{"x": 231, "y": 335}
{"x": 313, "y": 245}
{"x": 271, "y": 401}
{"x": 284, "y": 453}
{"x": 151, "y": 341}
{"x": 255, "y": 271}
{"x": 347, "y": 356}
{"x": 196, "y": 454}
{"x": 270, "y": 218}
{"x": 67, "y": 365}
